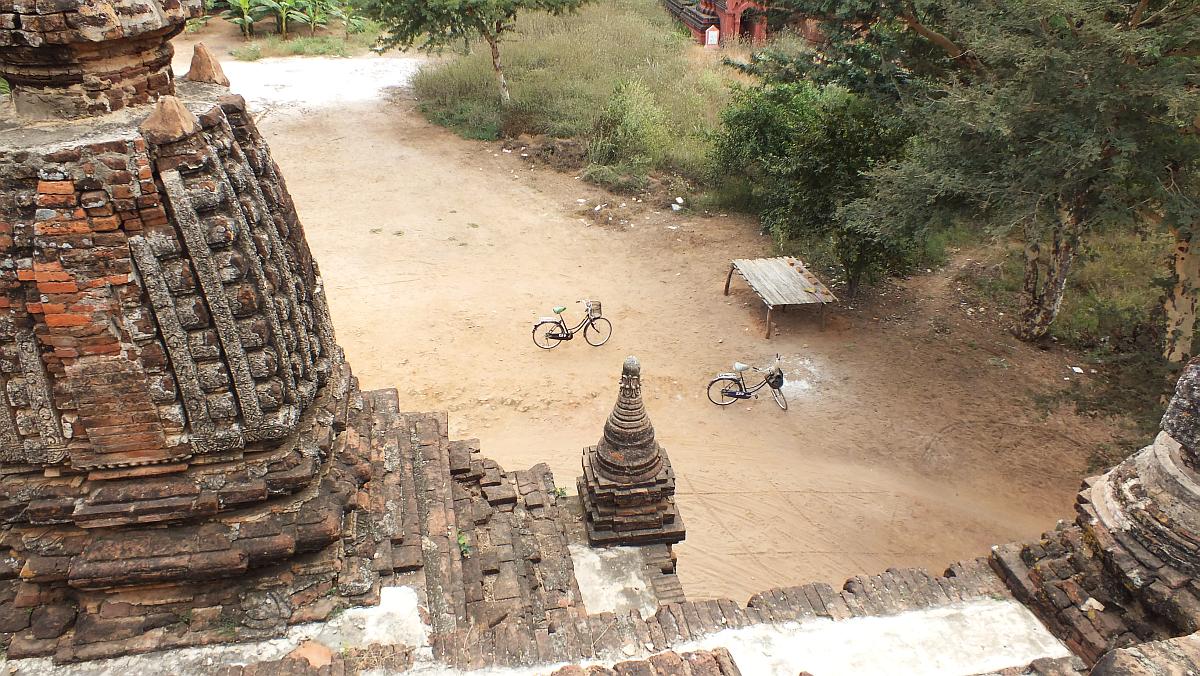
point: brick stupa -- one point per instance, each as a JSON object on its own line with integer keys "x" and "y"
{"x": 628, "y": 485}
{"x": 185, "y": 457}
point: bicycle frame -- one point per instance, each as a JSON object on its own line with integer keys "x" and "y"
{"x": 569, "y": 331}
{"x": 741, "y": 376}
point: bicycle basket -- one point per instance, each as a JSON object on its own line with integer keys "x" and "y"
{"x": 775, "y": 379}
{"x": 593, "y": 309}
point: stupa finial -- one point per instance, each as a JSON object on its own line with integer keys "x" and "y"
{"x": 628, "y": 427}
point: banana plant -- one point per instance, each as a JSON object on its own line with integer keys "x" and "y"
{"x": 352, "y": 22}
{"x": 282, "y": 9}
{"x": 314, "y": 14}
{"x": 243, "y": 14}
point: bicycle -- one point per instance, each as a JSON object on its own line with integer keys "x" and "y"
{"x": 727, "y": 388}
{"x": 548, "y": 332}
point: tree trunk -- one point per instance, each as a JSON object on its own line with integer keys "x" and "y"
{"x": 494, "y": 43}
{"x": 1180, "y": 304}
{"x": 1043, "y": 290}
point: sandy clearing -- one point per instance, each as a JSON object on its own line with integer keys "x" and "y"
{"x": 903, "y": 446}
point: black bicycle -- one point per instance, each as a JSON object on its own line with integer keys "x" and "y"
{"x": 727, "y": 388}
{"x": 548, "y": 332}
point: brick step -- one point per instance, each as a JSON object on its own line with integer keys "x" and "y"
{"x": 1063, "y": 584}
{"x": 397, "y": 501}
{"x": 424, "y": 435}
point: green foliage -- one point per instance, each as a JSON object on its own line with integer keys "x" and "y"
{"x": 464, "y": 545}
{"x": 631, "y": 133}
{"x": 1044, "y": 117}
{"x": 872, "y": 48}
{"x": 5, "y": 90}
{"x": 564, "y": 71}
{"x": 314, "y": 14}
{"x": 1115, "y": 296}
{"x": 619, "y": 177}
{"x": 283, "y": 11}
{"x": 195, "y": 24}
{"x": 433, "y": 24}
{"x": 1112, "y": 314}
{"x": 244, "y": 13}
{"x": 320, "y": 45}
{"x": 250, "y": 52}
{"x": 802, "y": 150}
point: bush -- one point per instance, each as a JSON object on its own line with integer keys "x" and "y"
{"x": 631, "y": 132}
{"x": 803, "y": 150}
{"x": 563, "y": 72}
{"x": 250, "y": 52}
{"x": 617, "y": 177}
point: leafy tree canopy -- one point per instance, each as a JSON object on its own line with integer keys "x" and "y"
{"x": 434, "y": 24}
{"x": 1075, "y": 114}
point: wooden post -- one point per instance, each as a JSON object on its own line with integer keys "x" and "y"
{"x": 729, "y": 278}
{"x": 769, "y": 308}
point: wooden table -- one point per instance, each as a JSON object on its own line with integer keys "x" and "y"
{"x": 780, "y": 282}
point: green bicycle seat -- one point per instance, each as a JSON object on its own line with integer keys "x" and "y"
{"x": 559, "y": 309}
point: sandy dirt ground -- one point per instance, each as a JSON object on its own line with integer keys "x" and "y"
{"x": 912, "y": 439}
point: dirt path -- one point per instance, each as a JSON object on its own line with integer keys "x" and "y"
{"x": 911, "y": 440}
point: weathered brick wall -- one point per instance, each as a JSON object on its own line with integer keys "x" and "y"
{"x": 66, "y": 58}
{"x": 132, "y": 339}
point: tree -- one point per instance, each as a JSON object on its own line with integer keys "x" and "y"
{"x": 1050, "y": 117}
{"x": 437, "y": 23}
{"x": 803, "y": 150}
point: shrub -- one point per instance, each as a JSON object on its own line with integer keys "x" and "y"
{"x": 617, "y": 178}
{"x": 250, "y": 52}
{"x": 803, "y": 151}
{"x": 631, "y": 131}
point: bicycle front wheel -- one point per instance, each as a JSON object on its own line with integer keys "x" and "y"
{"x": 597, "y": 332}
{"x": 779, "y": 398}
{"x": 545, "y": 335}
{"x": 720, "y": 391}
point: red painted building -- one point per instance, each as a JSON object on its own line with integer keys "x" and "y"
{"x": 746, "y": 19}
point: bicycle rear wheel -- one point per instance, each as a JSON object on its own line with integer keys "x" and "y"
{"x": 720, "y": 391}
{"x": 597, "y": 332}
{"x": 544, "y": 335}
{"x": 777, "y": 395}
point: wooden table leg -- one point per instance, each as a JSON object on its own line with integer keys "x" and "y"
{"x": 729, "y": 279}
{"x": 769, "y": 308}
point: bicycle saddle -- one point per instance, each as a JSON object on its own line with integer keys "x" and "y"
{"x": 740, "y": 367}
{"x": 558, "y": 310}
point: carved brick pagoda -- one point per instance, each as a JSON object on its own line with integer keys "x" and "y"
{"x": 184, "y": 455}
{"x": 628, "y": 485}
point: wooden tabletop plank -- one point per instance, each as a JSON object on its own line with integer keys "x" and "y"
{"x": 783, "y": 281}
